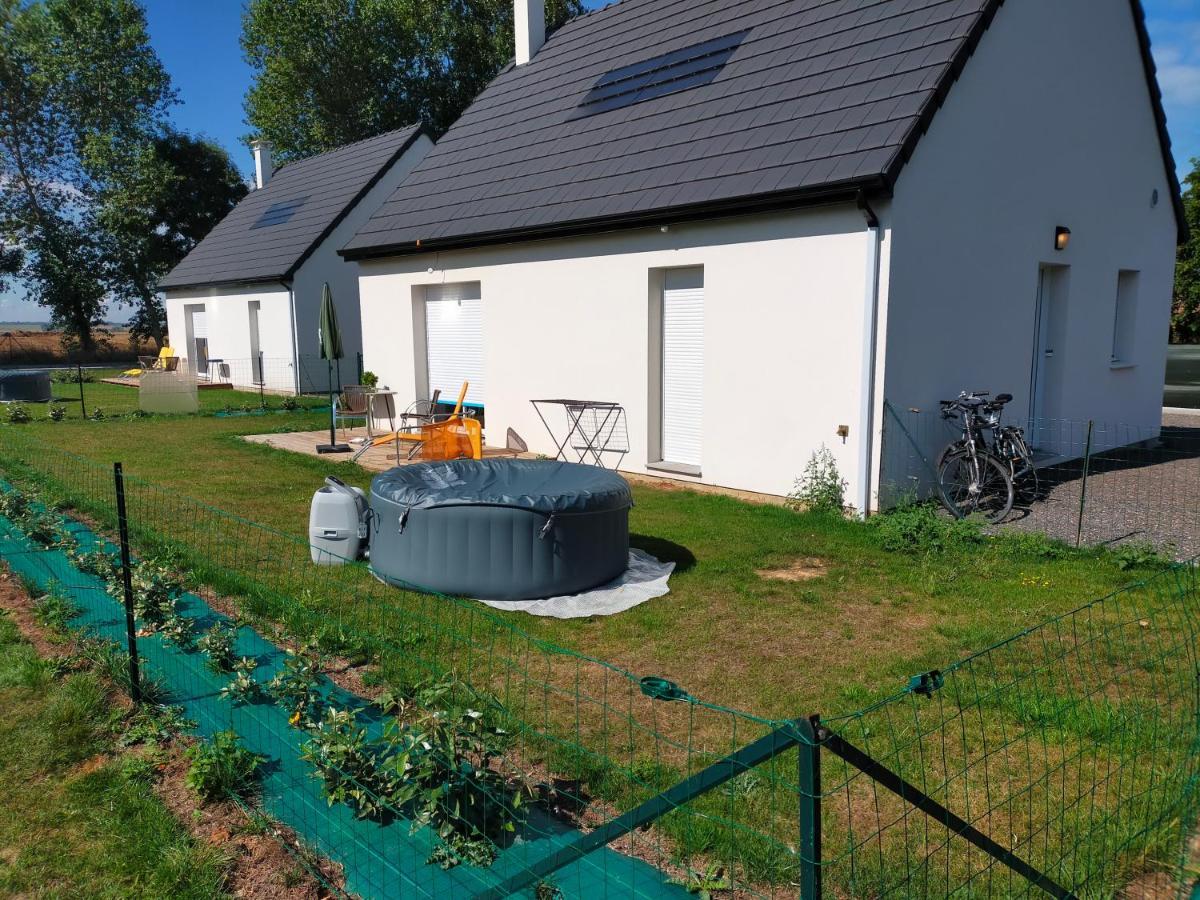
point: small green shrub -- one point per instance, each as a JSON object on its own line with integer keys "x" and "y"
{"x": 17, "y": 414}
{"x": 100, "y": 563}
{"x": 1136, "y": 555}
{"x": 350, "y": 766}
{"x": 922, "y": 528}
{"x": 177, "y": 630}
{"x": 43, "y": 527}
{"x": 1031, "y": 544}
{"x": 14, "y": 505}
{"x": 821, "y": 487}
{"x": 55, "y": 610}
{"x": 295, "y": 686}
{"x": 222, "y": 767}
{"x": 703, "y": 884}
{"x": 98, "y": 415}
{"x": 289, "y": 404}
{"x": 243, "y": 688}
{"x": 217, "y": 644}
{"x": 56, "y": 413}
{"x": 155, "y": 590}
{"x": 71, "y": 376}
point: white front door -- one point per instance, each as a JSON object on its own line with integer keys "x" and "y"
{"x": 683, "y": 366}
{"x": 1047, "y": 429}
{"x": 454, "y": 340}
{"x": 197, "y": 331}
{"x": 256, "y": 363}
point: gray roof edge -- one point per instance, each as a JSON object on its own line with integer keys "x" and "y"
{"x": 280, "y": 279}
{"x": 416, "y": 131}
{"x": 847, "y": 191}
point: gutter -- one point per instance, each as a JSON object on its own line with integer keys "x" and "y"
{"x": 870, "y": 349}
{"x": 821, "y": 195}
{"x": 295, "y": 336}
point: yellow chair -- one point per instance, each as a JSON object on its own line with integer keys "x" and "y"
{"x": 166, "y": 360}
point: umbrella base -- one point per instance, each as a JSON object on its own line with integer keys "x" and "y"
{"x": 334, "y": 448}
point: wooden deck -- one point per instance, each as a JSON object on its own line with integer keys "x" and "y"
{"x": 377, "y": 459}
{"x": 133, "y": 381}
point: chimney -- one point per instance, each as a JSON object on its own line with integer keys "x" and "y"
{"x": 262, "y": 162}
{"x": 529, "y": 21}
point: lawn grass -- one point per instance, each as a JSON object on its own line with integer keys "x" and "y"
{"x": 75, "y": 822}
{"x": 870, "y": 619}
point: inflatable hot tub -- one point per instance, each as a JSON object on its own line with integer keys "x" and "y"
{"x": 24, "y": 385}
{"x": 500, "y": 529}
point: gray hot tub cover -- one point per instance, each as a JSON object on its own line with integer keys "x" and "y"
{"x": 544, "y": 486}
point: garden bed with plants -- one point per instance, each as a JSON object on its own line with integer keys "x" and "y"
{"x": 408, "y": 793}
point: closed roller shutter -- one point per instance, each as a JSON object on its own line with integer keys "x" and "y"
{"x": 454, "y": 340}
{"x": 199, "y": 322}
{"x": 683, "y": 366}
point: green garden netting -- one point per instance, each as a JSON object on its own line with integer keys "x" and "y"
{"x": 1073, "y": 747}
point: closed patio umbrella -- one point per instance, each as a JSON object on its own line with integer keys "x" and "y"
{"x": 330, "y": 338}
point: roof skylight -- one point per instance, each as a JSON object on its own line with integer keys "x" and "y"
{"x": 278, "y": 213}
{"x": 670, "y": 73}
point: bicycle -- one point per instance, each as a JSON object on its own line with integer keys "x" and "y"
{"x": 973, "y": 476}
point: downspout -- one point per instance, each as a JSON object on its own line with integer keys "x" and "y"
{"x": 869, "y": 350}
{"x": 295, "y": 337}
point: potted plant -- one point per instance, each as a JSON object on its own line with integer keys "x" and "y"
{"x": 369, "y": 380}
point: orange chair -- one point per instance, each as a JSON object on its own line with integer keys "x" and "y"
{"x": 454, "y": 437}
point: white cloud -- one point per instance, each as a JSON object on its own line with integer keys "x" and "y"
{"x": 1179, "y": 78}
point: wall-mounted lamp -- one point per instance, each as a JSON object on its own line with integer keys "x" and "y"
{"x": 1062, "y": 237}
{"x": 664, "y": 228}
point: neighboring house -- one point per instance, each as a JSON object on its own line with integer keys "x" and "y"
{"x": 242, "y": 306}
{"x": 750, "y": 222}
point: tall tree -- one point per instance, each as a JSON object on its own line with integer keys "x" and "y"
{"x": 81, "y": 92}
{"x": 180, "y": 187}
{"x": 1185, "y": 312}
{"x": 328, "y": 72}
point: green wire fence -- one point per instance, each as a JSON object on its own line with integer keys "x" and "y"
{"x": 429, "y": 748}
{"x": 1094, "y": 483}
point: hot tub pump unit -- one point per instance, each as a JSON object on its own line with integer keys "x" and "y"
{"x": 339, "y": 523}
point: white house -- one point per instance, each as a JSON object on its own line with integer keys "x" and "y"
{"x": 752, "y": 222}
{"x": 242, "y": 306}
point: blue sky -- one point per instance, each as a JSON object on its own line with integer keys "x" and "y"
{"x": 198, "y": 42}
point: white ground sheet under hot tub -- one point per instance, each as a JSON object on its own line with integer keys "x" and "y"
{"x": 645, "y": 579}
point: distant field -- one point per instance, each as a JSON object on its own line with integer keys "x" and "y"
{"x": 34, "y": 345}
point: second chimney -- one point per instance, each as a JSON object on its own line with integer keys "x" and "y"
{"x": 262, "y": 162}
{"x": 529, "y": 21}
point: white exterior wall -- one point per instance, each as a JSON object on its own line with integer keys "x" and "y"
{"x": 289, "y": 345}
{"x": 1051, "y": 124}
{"x": 227, "y": 310}
{"x": 783, "y": 307}
{"x": 325, "y": 265}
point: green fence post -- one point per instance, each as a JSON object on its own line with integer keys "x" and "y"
{"x": 1087, "y": 464}
{"x": 79, "y": 377}
{"x": 810, "y": 809}
{"x": 360, "y": 367}
{"x": 135, "y": 680}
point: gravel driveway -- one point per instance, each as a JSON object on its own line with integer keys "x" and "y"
{"x": 1148, "y": 493}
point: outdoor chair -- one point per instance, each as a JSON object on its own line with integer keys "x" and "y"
{"x": 166, "y": 361}
{"x": 420, "y": 412}
{"x": 351, "y": 404}
{"x": 432, "y": 435}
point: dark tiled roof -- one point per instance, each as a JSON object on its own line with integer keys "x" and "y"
{"x": 819, "y": 98}
{"x": 271, "y": 232}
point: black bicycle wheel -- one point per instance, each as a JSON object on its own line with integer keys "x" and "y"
{"x": 968, "y": 488}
